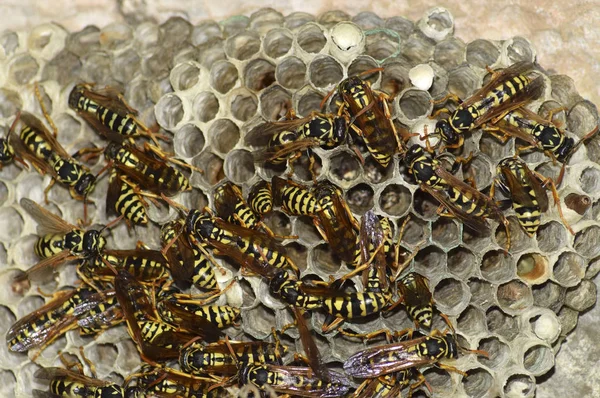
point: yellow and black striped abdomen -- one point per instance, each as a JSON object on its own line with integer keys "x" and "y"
{"x": 298, "y": 202}
{"x": 500, "y": 94}
{"x": 356, "y": 305}
{"x": 36, "y": 144}
{"x": 529, "y": 217}
{"x": 260, "y": 198}
{"x": 204, "y": 275}
{"x": 129, "y": 203}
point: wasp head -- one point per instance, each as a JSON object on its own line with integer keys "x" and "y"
{"x": 93, "y": 242}
{"x": 6, "y": 152}
{"x": 449, "y": 135}
{"x": 564, "y": 150}
{"x": 84, "y": 185}
{"x": 75, "y": 95}
{"x": 413, "y": 153}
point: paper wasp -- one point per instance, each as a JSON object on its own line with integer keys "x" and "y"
{"x": 68, "y": 384}
{"x": 336, "y": 224}
{"x": 188, "y": 260}
{"x": 527, "y": 192}
{"x": 167, "y": 382}
{"x": 508, "y": 89}
{"x": 155, "y": 339}
{"x": 124, "y": 198}
{"x": 538, "y": 133}
{"x": 406, "y": 354}
{"x": 460, "y": 200}
{"x": 370, "y": 117}
{"x": 41, "y": 148}
{"x": 295, "y": 199}
{"x": 260, "y": 198}
{"x": 108, "y": 113}
{"x": 145, "y": 265}
{"x": 60, "y": 241}
{"x": 147, "y": 171}
{"x": 66, "y": 311}
{"x": 288, "y": 139}
{"x": 294, "y": 380}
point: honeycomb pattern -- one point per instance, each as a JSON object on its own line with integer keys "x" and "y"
{"x": 211, "y": 83}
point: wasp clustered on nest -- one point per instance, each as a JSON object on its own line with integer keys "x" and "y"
{"x": 408, "y": 212}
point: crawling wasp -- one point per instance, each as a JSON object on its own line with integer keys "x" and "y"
{"x": 145, "y": 265}
{"x": 527, "y": 193}
{"x": 107, "y": 112}
{"x": 370, "y": 117}
{"x": 294, "y": 380}
{"x": 66, "y": 383}
{"x": 336, "y": 224}
{"x": 147, "y": 171}
{"x": 413, "y": 353}
{"x": 124, "y": 198}
{"x": 188, "y": 260}
{"x": 168, "y": 383}
{"x": 508, "y": 89}
{"x": 538, "y": 133}
{"x": 66, "y": 311}
{"x": 60, "y": 241}
{"x": 416, "y": 296}
{"x": 460, "y": 200}
{"x": 290, "y": 138}
{"x": 40, "y": 147}
{"x": 260, "y": 198}
{"x": 295, "y": 199}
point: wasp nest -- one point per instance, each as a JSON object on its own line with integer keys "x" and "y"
{"x": 209, "y": 84}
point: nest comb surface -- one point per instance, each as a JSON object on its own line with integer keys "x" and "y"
{"x": 209, "y": 84}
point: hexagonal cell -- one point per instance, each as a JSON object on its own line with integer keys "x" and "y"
{"x": 445, "y": 232}
{"x": 258, "y": 321}
{"x": 169, "y": 111}
{"x": 364, "y": 63}
{"x": 472, "y": 321}
{"x": 297, "y": 252}
{"x": 551, "y": 236}
{"x": 538, "y": 359}
{"x": 590, "y": 180}
{"x": 11, "y": 224}
{"x": 291, "y": 73}
{"x": 188, "y": 141}
{"x": 533, "y": 268}
{"x": 424, "y": 204}
{"x": 303, "y": 166}
{"x": 311, "y": 39}
{"x": 205, "y": 32}
{"x": 518, "y": 49}
{"x": 586, "y": 242}
{"x": 23, "y": 68}
{"x": 461, "y": 262}
{"x": 497, "y": 350}
{"x": 578, "y": 203}
{"x": 242, "y": 46}
{"x": 497, "y": 267}
{"x": 305, "y": 229}
{"x": 549, "y": 295}
{"x": 367, "y": 20}
{"x": 430, "y": 262}
{"x": 223, "y": 76}
{"x": 224, "y": 135}
{"x": 360, "y": 198}
{"x": 375, "y": 173}
{"x": 500, "y": 323}
{"x": 569, "y": 269}
{"x": 275, "y": 102}
{"x": 309, "y": 101}
{"x": 482, "y": 292}
{"x": 582, "y": 118}
{"x": 277, "y": 42}
{"x": 582, "y": 297}
{"x": 395, "y": 199}
{"x": 239, "y": 166}
{"x": 546, "y": 326}
{"x": 325, "y": 71}
{"x": 520, "y": 385}
{"x": 298, "y": 19}
{"x": 482, "y": 53}
{"x": 439, "y": 379}
{"x": 478, "y": 382}
{"x": 567, "y": 318}
{"x": 451, "y": 296}
{"x": 414, "y": 104}
{"x": 244, "y": 104}
{"x": 205, "y": 106}
{"x": 463, "y": 81}
{"x": 213, "y": 168}
{"x": 514, "y": 296}
{"x": 493, "y": 148}
{"x": 116, "y": 36}
{"x": 324, "y": 261}
{"x": 10, "y": 103}
{"x": 382, "y": 44}
{"x": 450, "y": 53}
{"x": 344, "y": 167}
{"x": 416, "y": 230}
{"x": 96, "y": 67}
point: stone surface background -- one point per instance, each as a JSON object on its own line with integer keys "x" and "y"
{"x": 566, "y": 35}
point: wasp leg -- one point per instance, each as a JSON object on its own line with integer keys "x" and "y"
{"x": 168, "y": 157}
{"x": 291, "y": 160}
{"x": 38, "y": 95}
{"x": 328, "y": 327}
{"x": 447, "y": 97}
{"x": 386, "y": 111}
{"x": 548, "y": 182}
{"x": 369, "y": 336}
{"x": 50, "y": 185}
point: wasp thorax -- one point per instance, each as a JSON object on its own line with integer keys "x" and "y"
{"x": 85, "y": 184}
